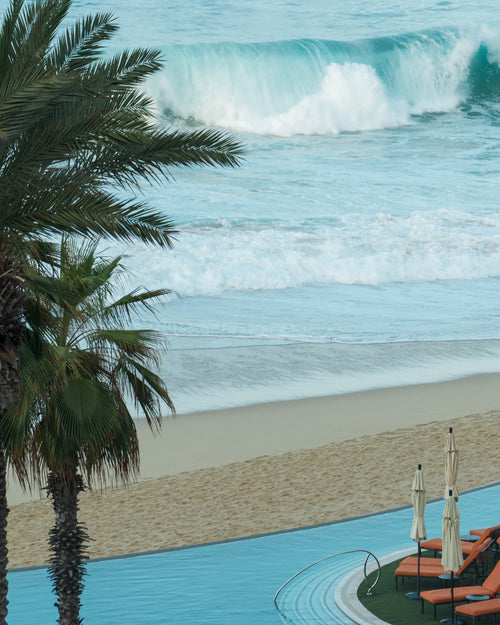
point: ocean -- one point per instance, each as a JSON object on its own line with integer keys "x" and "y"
{"x": 358, "y": 245}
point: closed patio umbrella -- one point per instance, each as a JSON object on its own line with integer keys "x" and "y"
{"x": 451, "y": 555}
{"x": 451, "y": 466}
{"x": 418, "y": 531}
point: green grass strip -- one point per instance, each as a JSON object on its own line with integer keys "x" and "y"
{"x": 394, "y": 607}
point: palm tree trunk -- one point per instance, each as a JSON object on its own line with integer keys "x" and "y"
{"x": 67, "y": 541}
{"x": 12, "y": 300}
{"x": 4, "y": 511}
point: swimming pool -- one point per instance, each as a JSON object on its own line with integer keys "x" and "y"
{"x": 228, "y": 583}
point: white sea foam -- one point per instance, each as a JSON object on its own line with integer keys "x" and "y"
{"x": 431, "y": 78}
{"x": 351, "y": 98}
{"x": 491, "y": 41}
{"x": 211, "y": 258}
{"x": 347, "y": 97}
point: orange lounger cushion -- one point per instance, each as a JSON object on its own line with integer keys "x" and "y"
{"x": 443, "y": 595}
{"x": 467, "y": 546}
{"x": 409, "y": 567}
{"x": 437, "y": 544}
{"x": 411, "y": 571}
{"x": 413, "y": 560}
{"x": 490, "y": 587}
{"x": 482, "y": 532}
{"x": 479, "y": 608}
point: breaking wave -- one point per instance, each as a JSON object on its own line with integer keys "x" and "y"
{"x": 313, "y": 87}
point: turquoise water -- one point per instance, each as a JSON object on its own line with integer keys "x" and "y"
{"x": 366, "y": 208}
{"x": 233, "y": 582}
{"x": 357, "y": 246}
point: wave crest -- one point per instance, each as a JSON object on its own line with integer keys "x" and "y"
{"x": 326, "y": 87}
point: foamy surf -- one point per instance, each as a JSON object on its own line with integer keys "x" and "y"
{"x": 365, "y": 211}
{"x": 215, "y": 256}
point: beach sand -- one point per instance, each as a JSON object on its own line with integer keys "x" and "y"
{"x": 246, "y": 471}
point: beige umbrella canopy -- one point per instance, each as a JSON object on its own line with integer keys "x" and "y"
{"x": 418, "y": 499}
{"x": 451, "y": 466}
{"x": 418, "y": 531}
{"x": 451, "y": 554}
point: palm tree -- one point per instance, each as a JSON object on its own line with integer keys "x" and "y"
{"x": 74, "y": 127}
{"x": 79, "y": 364}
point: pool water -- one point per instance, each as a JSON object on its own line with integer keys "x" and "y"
{"x": 233, "y": 582}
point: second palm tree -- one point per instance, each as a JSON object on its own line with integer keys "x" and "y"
{"x": 82, "y": 370}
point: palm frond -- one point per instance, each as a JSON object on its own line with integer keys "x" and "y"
{"x": 84, "y": 411}
{"x": 126, "y": 69}
{"x": 127, "y": 341}
{"x": 202, "y": 147}
{"x": 119, "y": 457}
{"x": 62, "y": 209}
{"x": 40, "y": 252}
{"x": 81, "y": 45}
{"x": 32, "y": 99}
{"x": 34, "y": 30}
{"x": 7, "y": 35}
{"x": 78, "y": 365}
{"x": 133, "y": 302}
{"x": 52, "y": 288}
{"x": 147, "y": 388}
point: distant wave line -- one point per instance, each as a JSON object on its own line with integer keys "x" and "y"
{"x": 304, "y": 340}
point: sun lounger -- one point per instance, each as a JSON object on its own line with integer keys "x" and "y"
{"x": 431, "y": 567}
{"x": 480, "y": 531}
{"x": 436, "y": 544}
{"x": 479, "y": 608}
{"x": 489, "y": 588}
{"x": 478, "y": 547}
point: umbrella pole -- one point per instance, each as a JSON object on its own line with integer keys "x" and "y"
{"x": 417, "y": 489}
{"x": 453, "y": 616}
{"x": 453, "y": 620}
{"x": 418, "y": 569}
{"x": 416, "y": 595}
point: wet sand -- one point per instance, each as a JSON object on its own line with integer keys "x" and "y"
{"x": 246, "y": 471}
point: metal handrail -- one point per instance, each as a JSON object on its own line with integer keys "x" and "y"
{"x": 334, "y": 555}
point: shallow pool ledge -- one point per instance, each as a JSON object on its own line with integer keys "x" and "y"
{"x": 346, "y": 593}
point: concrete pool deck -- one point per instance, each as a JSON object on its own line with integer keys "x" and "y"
{"x": 346, "y": 593}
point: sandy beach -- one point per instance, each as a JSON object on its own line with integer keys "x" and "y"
{"x": 245, "y": 471}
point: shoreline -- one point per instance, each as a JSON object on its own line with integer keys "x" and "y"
{"x": 246, "y": 471}
{"x": 271, "y": 428}
{"x": 215, "y": 378}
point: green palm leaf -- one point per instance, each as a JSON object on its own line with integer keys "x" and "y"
{"x": 77, "y": 140}
{"x": 79, "y": 363}
{"x": 81, "y": 44}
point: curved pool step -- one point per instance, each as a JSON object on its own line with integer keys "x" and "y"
{"x": 308, "y": 598}
{"x": 346, "y": 592}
